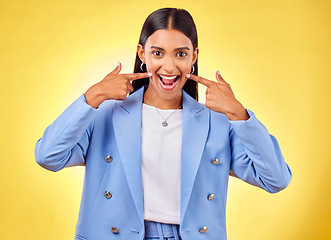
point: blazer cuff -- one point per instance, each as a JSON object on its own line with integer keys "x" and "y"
{"x": 238, "y": 123}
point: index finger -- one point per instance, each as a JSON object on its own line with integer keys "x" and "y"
{"x": 201, "y": 80}
{"x": 135, "y": 76}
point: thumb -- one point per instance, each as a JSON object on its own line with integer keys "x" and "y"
{"x": 117, "y": 69}
{"x": 219, "y": 78}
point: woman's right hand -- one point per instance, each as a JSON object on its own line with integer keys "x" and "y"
{"x": 114, "y": 86}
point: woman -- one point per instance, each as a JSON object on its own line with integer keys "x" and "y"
{"x": 157, "y": 162}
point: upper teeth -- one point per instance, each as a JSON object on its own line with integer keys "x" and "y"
{"x": 168, "y": 78}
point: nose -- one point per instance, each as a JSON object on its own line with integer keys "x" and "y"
{"x": 169, "y": 64}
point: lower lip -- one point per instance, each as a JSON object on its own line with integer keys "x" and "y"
{"x": 166, "y": 86}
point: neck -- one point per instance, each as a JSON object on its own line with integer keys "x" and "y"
{"x": 162, "y": 103}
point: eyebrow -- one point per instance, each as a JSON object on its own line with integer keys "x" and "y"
{"x": 180, "y": 48}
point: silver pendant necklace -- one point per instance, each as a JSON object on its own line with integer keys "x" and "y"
{"x": 164, "y": 123}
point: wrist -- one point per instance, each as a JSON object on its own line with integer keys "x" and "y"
{"x": 238, "y": 113}
{"x": 94, "y": 96}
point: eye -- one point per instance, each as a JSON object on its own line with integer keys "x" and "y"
{"x": 182, "y": 54}
{"x": 157, "y": 53}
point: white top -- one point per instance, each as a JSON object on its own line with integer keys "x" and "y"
{"x": 161, "y": 157}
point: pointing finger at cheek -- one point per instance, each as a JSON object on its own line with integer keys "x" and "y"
{"x": 136, "y": 76}
{"x": 201, "y": 80}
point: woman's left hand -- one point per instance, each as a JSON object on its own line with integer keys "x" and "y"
{"x": 220, "y": 98}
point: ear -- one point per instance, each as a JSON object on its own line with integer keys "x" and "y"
{"x": 141, "y": 53}
{"x": 195, "y": 55}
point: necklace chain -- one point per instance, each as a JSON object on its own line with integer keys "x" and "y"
{"x": 164, "y": 123}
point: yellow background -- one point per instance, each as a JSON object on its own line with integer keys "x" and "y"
{"x": 275, "y": 55}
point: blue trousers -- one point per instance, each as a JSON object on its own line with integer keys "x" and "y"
{"x": 161, "y": 231}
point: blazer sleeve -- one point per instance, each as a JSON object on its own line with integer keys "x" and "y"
{"x": 256, "y": 156}
{"x": 65, "y": 142}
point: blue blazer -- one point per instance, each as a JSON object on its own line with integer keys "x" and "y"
{"x": 107, "y": 140}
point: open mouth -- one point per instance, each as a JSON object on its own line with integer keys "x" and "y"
{"x": 168, "y": 82}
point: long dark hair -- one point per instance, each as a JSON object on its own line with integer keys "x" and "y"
{"x": 169, "y": 18}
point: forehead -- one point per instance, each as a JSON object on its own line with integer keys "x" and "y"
{"x": 168, "y": 39}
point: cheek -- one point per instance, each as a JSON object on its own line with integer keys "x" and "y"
{"x": 152, "y": 64}
{"x": 184, "y": 80}
{"x": 152, "y": 67}
{"x": 185, "y": 67}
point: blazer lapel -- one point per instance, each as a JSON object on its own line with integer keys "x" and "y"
{"x": 195, "y": 132}
{"x": 127, "y": 128}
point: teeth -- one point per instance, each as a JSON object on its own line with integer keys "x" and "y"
{"x": 168, "y": 78}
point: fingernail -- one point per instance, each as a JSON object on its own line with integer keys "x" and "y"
{"x": 188, "y": 75}
{"x": 118, "y": 64}
{"x": 218, "y": 72}
{"x": 149, "y": 74}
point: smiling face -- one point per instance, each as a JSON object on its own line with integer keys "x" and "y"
{"x": 169, "y": 56}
